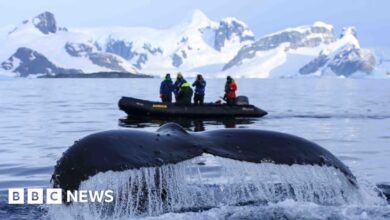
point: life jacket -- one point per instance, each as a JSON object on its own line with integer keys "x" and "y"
{"x": 230, "y": 90}
{"x": 186, "y": 84}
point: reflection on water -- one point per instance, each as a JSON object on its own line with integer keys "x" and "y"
{"x": 191, "y": 124}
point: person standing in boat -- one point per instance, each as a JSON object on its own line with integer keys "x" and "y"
{"x": 200, "y": 88}
{"x": 166, "y": 89}
{"x": 179, "y": 81}
{"x": 184, "y": 95}
{"x": 230, "y": 91}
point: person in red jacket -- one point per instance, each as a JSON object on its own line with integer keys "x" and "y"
{"x": 230, "y": 91}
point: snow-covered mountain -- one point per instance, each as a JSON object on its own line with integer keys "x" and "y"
{"x": 196, "y": 44}
{"x": 304, "y": 51}
{"x": 342, "y": 58}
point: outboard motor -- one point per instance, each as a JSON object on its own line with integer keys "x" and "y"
{"x": 242, "y": 100}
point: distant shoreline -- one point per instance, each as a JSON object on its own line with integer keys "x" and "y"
{"x": 98, "y": 75}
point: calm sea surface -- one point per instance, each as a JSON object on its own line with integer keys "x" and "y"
{"x": 41, "y": 118}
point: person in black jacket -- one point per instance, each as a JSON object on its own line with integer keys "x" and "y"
{"x": 200, "y": 88}
{"x": 179, "y": 81}
{"x": 185, "y": 94}
{"x": 166, "y": 89}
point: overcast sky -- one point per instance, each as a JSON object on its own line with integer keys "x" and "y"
{"x": 371, "y": 17}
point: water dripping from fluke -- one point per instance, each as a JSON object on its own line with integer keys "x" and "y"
{"x": 209, "y": 181}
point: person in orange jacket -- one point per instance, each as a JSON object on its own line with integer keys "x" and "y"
{"x": 230, "y": 91}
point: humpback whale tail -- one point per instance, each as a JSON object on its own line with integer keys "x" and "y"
{"x": 119, "y": 150}
{"x": 174, "y": 170}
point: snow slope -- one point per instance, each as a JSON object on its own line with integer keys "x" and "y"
{"x": 195, "y": 45}
{"x": 194, "y": 42}
{"x": 304, "y": 51}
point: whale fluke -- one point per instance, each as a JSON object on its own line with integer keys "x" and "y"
{"x": 119, "y": 150}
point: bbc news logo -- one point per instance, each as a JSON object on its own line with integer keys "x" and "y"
{"x": 54, "y": 196}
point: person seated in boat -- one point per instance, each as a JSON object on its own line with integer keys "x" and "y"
{"x": 184, "y": 95}
{"x": 230, "y": 91}
{"x": 200, "y": 87}
{"x": 166, "y": 89}
{"x": 179, "y": 81}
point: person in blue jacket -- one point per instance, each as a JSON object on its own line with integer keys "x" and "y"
{"x": 200, "y": 88}
{"x": 166, "y": 89}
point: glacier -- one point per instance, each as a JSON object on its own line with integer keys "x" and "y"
{"x": 194, "y": 45}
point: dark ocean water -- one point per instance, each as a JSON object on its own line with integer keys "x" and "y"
{"x": 41, "y": 118}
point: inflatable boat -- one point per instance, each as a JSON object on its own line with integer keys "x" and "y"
{"x": 139, "y": 107}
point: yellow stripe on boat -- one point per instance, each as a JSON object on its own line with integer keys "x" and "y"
{"x": 159, "y": 106}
